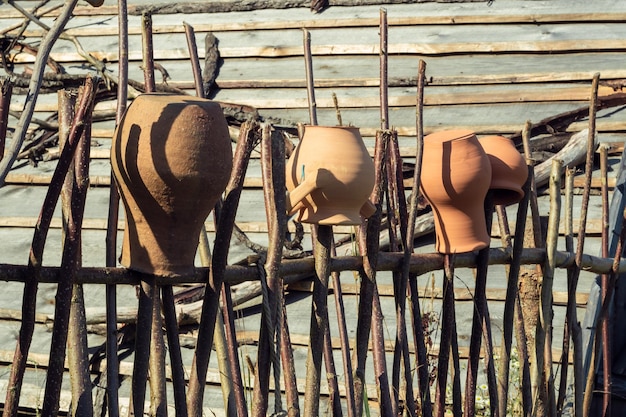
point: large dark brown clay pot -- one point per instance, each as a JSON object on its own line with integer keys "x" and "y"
{"x": 455, "y": 179}
{"x": 508, "y": 169}
{"x": 330, "y": 176}
{"x": 171, "y": 157}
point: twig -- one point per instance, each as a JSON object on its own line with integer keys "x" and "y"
{"x": 396, "y": 197}
{"x": 331, "y": 374}
{"x": 606, "y": 335}
{"x": 543, "y": 338}
{"x": 345, "y": 343}
{"x": 248, "y": 138}
{"x": 446, "y": 335}
{"x": 319, "y": 320}
{"x": 418, "y": 331}
{"x": 173, "y": 341}
{"x": 480, "y": 322}
{"x": 147, "y": 53}
{"x": 112, "y": 364}
{"x": 511, "y": 296}
{"x": 194, "y": 59}
{"x": 569, "y": 246}
{"x": 309, "y": 77}
{"x": 337, "y": 110}
{"x": 273, "y": 166}
{"x": 37, "y": 247}
{"x": 72, "y": 202}
{"x": 383, "y": 57}
{"x": 286, "y": 353}
{"x": 143, "y": 336}
{"x": 6, "y": 89}
{"x": 369, "y": 245}
{"x": 571, "y": 310}
{"x": 603, "y": 314}
{"x": 228, "y": 360}
{"x": 45, "y": 48}
{"x": 157, "y": 379}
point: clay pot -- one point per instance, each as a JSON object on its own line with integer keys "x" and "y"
{"x": 455, "y": 178}
{"x": 330, "y": 176}
{"x": 171, "y": 157}
{"x": 508, "y": 169}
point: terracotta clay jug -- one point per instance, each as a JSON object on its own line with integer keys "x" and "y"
{"x": 171, "y": 157}
{"x": 508, "y": 169}
{"x": 330, "y": 176}
{"x": 455, "y": 179}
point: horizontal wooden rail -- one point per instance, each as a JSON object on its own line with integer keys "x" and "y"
{"x": 387, "y": 261}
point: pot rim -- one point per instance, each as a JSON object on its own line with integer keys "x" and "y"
{"x": 444, "y": 136}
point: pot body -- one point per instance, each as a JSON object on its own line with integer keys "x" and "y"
{"x": 455, "y": 179}
{"x": 332, "y": 175}
{"x": 171, "y": 157}
{"x": 508, "y": 169}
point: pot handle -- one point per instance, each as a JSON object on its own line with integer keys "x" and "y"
{"x": 367, "y": 209}
{"x": 295, "y": 196}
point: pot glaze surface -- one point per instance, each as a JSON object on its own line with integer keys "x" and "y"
{"x": 171, "y": 157}
{"x": 455, "y": 178}
{"x": 333, "y": 175}
{"x": 508, "y": 169}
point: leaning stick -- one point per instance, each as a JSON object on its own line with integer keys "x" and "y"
{"x": 512, "y": 295}
{"x": 480, "y": 322}
{"x": 73, "y": 195}
{"x": 21, "y": 129}
{"x": 322, "y": 235}
{"x": 273, "y": 167}
{"x": 345, "y": 343}
{"x": 319, "y": 320}
{"x": 543, "y": 339}
{"x": 571, "y": 313}
{"x": 396, "y": 197}
{"x": 569, "y": 246}
{"x": 112, "y": 364}
{"x": 387, "y": 405}
{"x": 606, "y": 339}
{"x": 603, "y": 314}
{"x": 383, "y": 56}
{"x": 228, "y": 360}
{"x": 418, "y": 331}
{"x": 149, "y": 344}
{"x": 369, "y": 245}
{"x": 445, "y": 339}
{"x": 309, "y": 77}
{"x": 37, "y": 246}
{"x": 248, "y": 138}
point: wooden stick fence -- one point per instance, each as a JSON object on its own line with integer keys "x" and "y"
{"x": 395, "y": 395}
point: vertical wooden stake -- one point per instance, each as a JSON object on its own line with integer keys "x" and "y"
{"x": 446, "y": 335}
{"x": 423, "y": 374}
{"x": 319, "y": 320}
{"x": 511, "y": 297}
{"x": 112, "y": 364}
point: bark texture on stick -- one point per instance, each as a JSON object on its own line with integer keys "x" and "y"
{"x": 33, "y": 88}
{"x": 369, "y": 245}
{"x": 37, "y": 246}
{"x": 249, "y": 136}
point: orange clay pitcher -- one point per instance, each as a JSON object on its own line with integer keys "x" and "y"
{"x": 455, "y": 179}
{"x": 330, "y": 176}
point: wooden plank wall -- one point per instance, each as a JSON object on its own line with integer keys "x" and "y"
{"x": 490, "y": 66}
